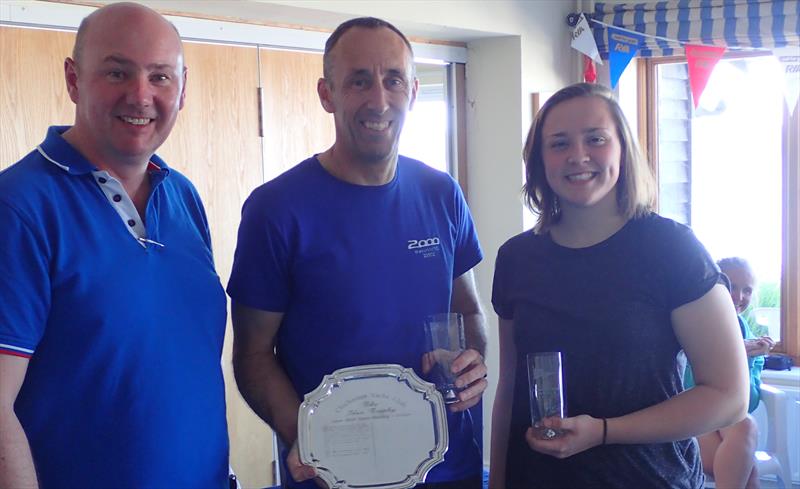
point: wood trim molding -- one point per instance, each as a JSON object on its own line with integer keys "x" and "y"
{"x": 642, "y": 113}
{"x": 648, "y": 131}
{"x": 790, "y": 283}
{"x": 458, "y": 97}
{"x": 241, "y": 20}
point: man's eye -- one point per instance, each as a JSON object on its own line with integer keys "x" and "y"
{"x": 115, "y": 75}
{"x": 359, "y": 83}
{"x": 160, "y": 77}
{"x": 398, "y": 85}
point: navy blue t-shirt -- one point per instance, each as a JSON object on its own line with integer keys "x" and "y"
{"x": 355, "y": 269}
{"x": 607, "y": 308}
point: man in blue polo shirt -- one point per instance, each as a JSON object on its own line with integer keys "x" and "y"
{"x": 340, "y": 259}
{"x": 112, "y": 316}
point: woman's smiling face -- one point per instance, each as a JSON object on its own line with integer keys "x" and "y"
{"x": 581, "y": 152}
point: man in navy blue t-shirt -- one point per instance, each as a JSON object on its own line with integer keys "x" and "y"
{"x": 340, "y": 259}
{"x": 112, "y": 316}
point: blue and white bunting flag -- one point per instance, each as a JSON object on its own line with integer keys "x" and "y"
{"x": 622, "y": 47}
{"x": 789, "y": 58}
{"x": 583, "y": 40}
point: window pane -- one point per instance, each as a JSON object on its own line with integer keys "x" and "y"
{"x": 720, "y": 168}
{"x": 425, "y": 132}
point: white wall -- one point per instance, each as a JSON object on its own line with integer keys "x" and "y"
{"x": 494, "y": 148}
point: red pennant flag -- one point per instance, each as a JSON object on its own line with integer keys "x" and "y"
{"x": 701, "y": 60}
{"x": 589, "y": 71}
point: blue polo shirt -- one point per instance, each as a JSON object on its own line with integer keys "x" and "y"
{"x": 123, "y": 322}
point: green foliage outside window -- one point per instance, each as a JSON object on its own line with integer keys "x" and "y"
{"x": 767, "y": 295}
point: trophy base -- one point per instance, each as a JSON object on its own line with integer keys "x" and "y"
{"x": 450, "y": 394}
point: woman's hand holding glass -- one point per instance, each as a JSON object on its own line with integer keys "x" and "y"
{"x": 576, "y": 434}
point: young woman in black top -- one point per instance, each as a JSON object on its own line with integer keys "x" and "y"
{"x": 619, "y": 291}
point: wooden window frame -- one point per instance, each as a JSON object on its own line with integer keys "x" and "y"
{"x": 456, "y": 96}
{"x": 790, "y": 239}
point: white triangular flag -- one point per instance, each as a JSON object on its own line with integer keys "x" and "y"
{"x": 789, "y": 58}
{"x": 583, "y": 40}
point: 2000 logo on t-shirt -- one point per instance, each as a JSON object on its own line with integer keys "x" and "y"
{"x": 422, "y": 243}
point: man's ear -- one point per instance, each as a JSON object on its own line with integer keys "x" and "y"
{"x": 183, "y": 88}
{"x": 71, "y": 77}
{"x": 414, "y": 89}
{"x": 324, "y": 92}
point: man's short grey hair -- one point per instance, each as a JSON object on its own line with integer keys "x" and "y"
{"x": 364, "y": 23}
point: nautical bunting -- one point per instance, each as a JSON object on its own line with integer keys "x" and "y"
{"x": 789, "y": 58}
{"x": 622, "y": 47}
{"x": 671, "y": 24}
{"x": 675, "y": 27}
{"x": 583, "y": 40}
{"x": 589, "y": 71}
{"x": 701, "y": 61}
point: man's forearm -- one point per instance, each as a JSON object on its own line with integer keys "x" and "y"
{"x": 16, "y": 463}
{"x": 475, "y": 331}
{"x": 465, "y": 301}
{"x": 268, "y": 391}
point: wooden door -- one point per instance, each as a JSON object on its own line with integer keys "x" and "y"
{"x": 216, "y": 144}
{"x": 295, "y": 124}
{"x": 33, "y": 93}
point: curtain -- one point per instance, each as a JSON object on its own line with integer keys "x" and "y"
{"x": 730, "y": 23}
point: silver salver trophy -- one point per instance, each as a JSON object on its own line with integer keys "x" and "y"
{"x": 373, "y": 426}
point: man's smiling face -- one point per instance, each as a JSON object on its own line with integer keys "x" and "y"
{"x": 370, "y": 90}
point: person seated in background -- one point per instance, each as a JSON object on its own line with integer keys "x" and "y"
{"x": 743, "y": 283}
{"x": 728, "y": 454}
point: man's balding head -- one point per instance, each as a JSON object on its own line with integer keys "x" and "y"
{"x": 113, "y": 11}
{"x": 127, "y": 79}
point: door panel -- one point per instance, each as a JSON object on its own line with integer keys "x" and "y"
{"x": 295, "y": 124}
{"x": 34, "y": 93}
{"x": 216, "y": 144}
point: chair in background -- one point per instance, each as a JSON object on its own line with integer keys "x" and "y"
{"x": 774, "y": 459}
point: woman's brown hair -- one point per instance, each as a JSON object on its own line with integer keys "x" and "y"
{"x": 636, "y": 184}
